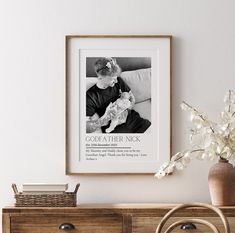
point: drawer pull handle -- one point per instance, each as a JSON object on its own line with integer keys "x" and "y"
{"x": 188, "y": 226}
{"x": 66, "y": 226}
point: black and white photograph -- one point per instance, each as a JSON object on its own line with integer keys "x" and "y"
{"x": 118, "y": 95}
{"x": 118, "y": 103}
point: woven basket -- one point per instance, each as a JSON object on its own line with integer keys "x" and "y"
{"x": 66, "y": 199}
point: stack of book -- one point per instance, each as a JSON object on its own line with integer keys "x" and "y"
{"x": 44, "y": 188}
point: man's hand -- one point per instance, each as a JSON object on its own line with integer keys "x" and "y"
{"x": 91, "y": 126}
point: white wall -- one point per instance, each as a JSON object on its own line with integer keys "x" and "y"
{"x": 32, "y": 86}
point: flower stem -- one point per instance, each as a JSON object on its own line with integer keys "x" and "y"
{"x": 229, "y": 107}
{"x": 179, "y": 158}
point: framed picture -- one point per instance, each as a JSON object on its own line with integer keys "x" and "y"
{"x": 118, "y": 103}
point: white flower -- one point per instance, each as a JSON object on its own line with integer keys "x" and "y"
{"x": 229, "y": 97}
{"x": 185, "y": 106}
{"x": 160, "y": 174}
{"x": 176, "y": 156}
{"x": 208, "y": 140}
{"x": 201, "y": 155}
{"x": 225, "y": 117}
{"x": 211, "y": 155}
{"x": 170, "y": 168}
{"x": 180, "y": 165}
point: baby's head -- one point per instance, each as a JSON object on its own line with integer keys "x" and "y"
{"x": 107, "y": 66}
{"x": 124, "y": 101}
{"x": 125, "y": 95}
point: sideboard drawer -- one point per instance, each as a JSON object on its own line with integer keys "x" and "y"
{"x": 104, "y": 218}
{"x": 149, "y": 224}
{"x": 49, "y": 224}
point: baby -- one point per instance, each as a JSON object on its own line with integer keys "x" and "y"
{"x": 120, "y": 109}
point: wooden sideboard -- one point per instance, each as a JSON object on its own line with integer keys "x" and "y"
{"x": 103, "y": 218}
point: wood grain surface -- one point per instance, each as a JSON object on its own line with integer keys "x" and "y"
{"x": 105, "y": 218}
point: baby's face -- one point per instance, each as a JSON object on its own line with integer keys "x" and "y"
{"x": 125, "y": 95}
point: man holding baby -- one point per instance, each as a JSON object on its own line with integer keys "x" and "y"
{"x": 107, "y": 90}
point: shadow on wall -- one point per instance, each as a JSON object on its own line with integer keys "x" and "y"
{"x": 126, "y": 63}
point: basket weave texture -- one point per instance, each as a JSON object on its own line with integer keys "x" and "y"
{"x": 66, "y": 199}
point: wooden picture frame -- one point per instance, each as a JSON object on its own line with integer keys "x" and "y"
{"x": 146, "y": 64}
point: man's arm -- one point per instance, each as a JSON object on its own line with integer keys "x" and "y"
{"x": 94, "y": 122}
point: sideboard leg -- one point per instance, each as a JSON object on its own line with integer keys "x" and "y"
{"x": 6, "y": 226}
